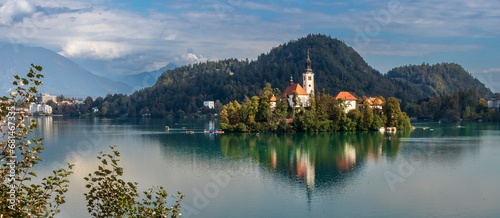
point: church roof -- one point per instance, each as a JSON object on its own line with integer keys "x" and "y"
{"x": 294, "y": 87}
{"x": 346, "y": 96}
{"x": 273, "y": 99}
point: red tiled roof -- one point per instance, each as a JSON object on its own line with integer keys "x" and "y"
{"x": 294, "y": 87}
{"x": 373, "y": 101}
{"x": 346, "y": 96}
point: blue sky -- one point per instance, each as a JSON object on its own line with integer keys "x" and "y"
{"x": 111, "y": 37}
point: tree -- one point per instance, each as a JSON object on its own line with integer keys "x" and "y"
{"x": 391, "y": 111}
{"x": 223, "y": 118}
{"x": 367, "y": 117}
{"x": 377, "y": 123}
{"x": 110, "y": 196}
{"x": 19, "y": 195}
{"x": 218, "y": 106}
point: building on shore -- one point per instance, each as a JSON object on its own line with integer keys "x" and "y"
{"x": 39, "y": 109}
{"x": 494, "y": 103}
{"x": 44, "y": 98}
{"x": 209, "y": 104}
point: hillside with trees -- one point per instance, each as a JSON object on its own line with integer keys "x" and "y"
{"x": 438, "y": 79}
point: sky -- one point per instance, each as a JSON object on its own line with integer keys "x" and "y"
{"x": 112, "y": 38}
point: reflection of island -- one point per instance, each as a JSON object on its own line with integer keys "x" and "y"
{"x": 317, "y": 160}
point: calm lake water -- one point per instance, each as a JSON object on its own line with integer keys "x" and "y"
{"x": 447, "y": 169}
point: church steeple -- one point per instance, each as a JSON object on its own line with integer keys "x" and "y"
{"x": 291, "y": 81}
{"x": 308, "y": 61}
{"x": 308, "y": 76}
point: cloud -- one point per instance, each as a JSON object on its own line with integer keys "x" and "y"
{"x": 385, "y": 47}
{"x": 94, "y": 50}
{"x": 125, "y": 41}
{"x": 461, "y": 18}
{"x": 13, "y": 10}
{"x": 191, "y": 57}
{"x": 492, "y": 70}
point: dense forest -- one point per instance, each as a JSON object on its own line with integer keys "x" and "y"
{"x": 336, "y": 66}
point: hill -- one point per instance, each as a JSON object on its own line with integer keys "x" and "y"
{"x": 337, "y": 67}
{"x": 62, "y": 76}
{"x": 438, "y": 79}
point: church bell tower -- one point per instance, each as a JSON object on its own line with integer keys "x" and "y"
{"x": 308, "y": 77}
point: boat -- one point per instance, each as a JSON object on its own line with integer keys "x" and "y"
{"x": 189, "y": 132}
{"x": 167, "y": 128}
{"x": 216, "y": 131}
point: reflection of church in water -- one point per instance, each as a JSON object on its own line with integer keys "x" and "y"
{"x": 311, "y": 163}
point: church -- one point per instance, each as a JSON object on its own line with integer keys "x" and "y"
{"x": 303, "y": 93}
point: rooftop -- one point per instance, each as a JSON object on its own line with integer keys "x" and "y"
{"x": 372, "y": 101}
{"x": 346, "y": 96}
{"x": 294, "y": 87}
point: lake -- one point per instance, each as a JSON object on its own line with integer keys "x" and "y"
{"x": 438, "y": 169}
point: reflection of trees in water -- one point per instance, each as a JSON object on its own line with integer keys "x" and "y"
{"x": 320, "y": 160}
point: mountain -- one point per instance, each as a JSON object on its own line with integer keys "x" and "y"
{"x": 437, "y": 79}
{"x": 62, "y": 76}
{"x": 145, "y": 79}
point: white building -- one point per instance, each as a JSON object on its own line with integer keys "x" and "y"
{"x": 40, "y": 108}
{"x": 44, "y": 98}
{"x": 349, "y": 100}
{"x": 209, "y": 104}
{"x": 493, "y": 103}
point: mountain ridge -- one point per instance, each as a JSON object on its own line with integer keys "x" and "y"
{"x": 62, "y": 76}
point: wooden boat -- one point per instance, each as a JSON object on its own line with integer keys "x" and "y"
{"x": 189, "y": 132}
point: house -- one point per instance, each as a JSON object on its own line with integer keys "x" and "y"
{"x": 209, "y": 104}
{"x": 302, "y": 93}
{"x": 375, "y": 103}
{"x": 349, "y": 100}
{"x": 494, "y": 103}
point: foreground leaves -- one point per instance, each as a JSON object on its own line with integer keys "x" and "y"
{"x": 111, "y": 196}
